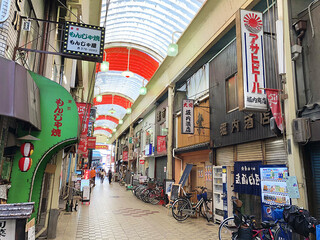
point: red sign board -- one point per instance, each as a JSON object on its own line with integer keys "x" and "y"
{"x": 86, "y": 174}
{"x": 161, "y": 144}
{"x": 274, "y": 103}
{"x": 125, "y": 156}
{"x": 83, "y": 144}
{"x": 91, "y": 142}
{"x": 106, "y": 147}
{"x": 84, "y": 109}
{"x": 141, "y": 161}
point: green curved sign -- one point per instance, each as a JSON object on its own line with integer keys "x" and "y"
{"x": 59, "y": 123}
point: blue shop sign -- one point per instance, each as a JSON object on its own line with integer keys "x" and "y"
{"x": 247, "y": 177}
{"x": 148, "y": 149}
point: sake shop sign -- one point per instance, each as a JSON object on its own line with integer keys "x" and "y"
{"x": 187, "y": 118}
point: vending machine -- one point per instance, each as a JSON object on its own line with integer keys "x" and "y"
{"x": 223, "y": 179}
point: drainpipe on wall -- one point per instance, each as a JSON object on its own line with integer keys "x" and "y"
{"x": 170, "y": 131}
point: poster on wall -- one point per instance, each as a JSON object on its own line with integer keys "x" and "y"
{"x": 247, "y": 177}
{"x": 273, "y": 185}
{"x": 251, "y": 64}
{"x": 292, "y": 187}
{"x": 208, "y": 173}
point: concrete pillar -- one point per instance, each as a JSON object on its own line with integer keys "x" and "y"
{"x": 295, "y": 161}
{"x": 54, "y": 210}
{"x": 170, "y": 131}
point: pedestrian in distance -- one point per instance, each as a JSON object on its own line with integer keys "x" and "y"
{"x": 102, "y": 175}
{"x": 110, "y": 175}
{"x": 93, "y": 176}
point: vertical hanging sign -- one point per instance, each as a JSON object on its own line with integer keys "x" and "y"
{"x": 187, "y": 117}
{"x": 84, "y": 115}
{"x": 251, "y": 64}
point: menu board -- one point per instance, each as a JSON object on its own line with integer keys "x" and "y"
{"x": 273, "y": 185}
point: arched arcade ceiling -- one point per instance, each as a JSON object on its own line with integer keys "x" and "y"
{"x": 137, "y": 35}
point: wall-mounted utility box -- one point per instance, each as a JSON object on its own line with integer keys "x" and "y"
{"x": 301, "y": 130}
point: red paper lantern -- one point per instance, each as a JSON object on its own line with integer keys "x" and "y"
{"x": 26, "y": 149}
{"x": 25, "y": 164}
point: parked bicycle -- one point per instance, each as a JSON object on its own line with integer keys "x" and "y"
{"x": 241, "y": 226}
{"x": 295, "y": 221}
{"x": 182, "y": 207}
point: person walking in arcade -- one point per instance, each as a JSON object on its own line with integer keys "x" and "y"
{"x": 109, "y": 176}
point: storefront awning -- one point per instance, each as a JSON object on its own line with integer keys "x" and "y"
{"x": 19, "y": 95}
{"x": 196, "y": 147}
{"x": 59, "y": 121}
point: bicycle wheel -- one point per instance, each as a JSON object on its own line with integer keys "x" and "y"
{"x": 227, "y": 229}
{"x": 154, "y": 197}
{"x": 178, "y": 208}
{"x": 283, "y": 233}
{"x": 205, "y": 211}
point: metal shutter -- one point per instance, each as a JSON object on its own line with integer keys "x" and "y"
{"x": 275, "y": 151}
{"x": 250, "y": 151}
{"x": 315, "y": 163}
{"x": 225, "y": 156}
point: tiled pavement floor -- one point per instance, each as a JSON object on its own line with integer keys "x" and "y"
{"x": 114, "y": 213}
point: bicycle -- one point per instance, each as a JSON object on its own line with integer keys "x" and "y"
{"x": 183, "y": 209}
{"x": 244, "y": 227}
{"x": 296, "y": 221}
{"x": 156, "y": 194}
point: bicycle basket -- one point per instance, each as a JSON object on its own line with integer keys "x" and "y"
{"x": 202, "y": 195}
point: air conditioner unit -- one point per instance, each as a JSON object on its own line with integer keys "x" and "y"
{"x": 301, "y": 130}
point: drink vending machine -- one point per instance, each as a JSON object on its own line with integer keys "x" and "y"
{"x": 223, "y": 179}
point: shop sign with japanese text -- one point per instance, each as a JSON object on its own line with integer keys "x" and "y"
{"x": 252, "y": 62}
{"x": 141, "y": 161}
{"x": 105, "y": 147}
{"x": 84, "y": 40}
{"x": 187, "y": 117}
{"x": 5, "y": 10}
{"x": 247, "y": 177}
{"x": 58, "y": 113}
{"x": 83, "y": 145}
{"x": 91, "y": 142}
{"x": 84, "y": 109}
{"x": 7, "y": 229}
{"x": 125, "y": 156}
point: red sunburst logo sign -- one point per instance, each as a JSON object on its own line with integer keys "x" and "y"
{"x": 252, "y": 22}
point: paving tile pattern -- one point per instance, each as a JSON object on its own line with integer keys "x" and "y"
{"x": 115, "y": 213}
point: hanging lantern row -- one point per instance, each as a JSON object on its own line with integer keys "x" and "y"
{"x": 25, "y": 162}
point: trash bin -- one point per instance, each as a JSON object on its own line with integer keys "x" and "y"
{"x": 318, "y": 231}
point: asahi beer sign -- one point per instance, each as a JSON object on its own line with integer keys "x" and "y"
{"x": 187, "y": 118}
{"x": 253, "y": 64}
{"x": 84, "y": 40}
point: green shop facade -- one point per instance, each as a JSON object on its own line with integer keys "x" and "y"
{"x": 59, "y": 130}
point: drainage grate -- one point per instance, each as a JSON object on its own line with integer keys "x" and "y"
{"x": 67, "y": 213}
{"x": 114, "y": 196}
